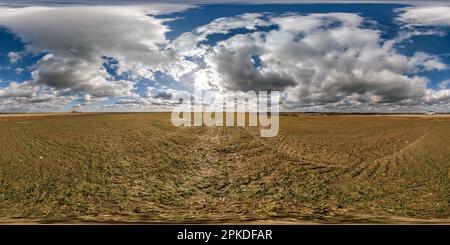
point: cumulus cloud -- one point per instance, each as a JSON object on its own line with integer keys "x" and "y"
{"x": 425, "y": 62}
{"x": 186, "y": 44}
{"x": 444, "y": 84}
{"x": 77, "y": 75}
{"x": 14, "y": 90}
{"x": 330, "y": 59}
{"x": 14, "y": 56}
{"x": 27, "y": 97}
{"x": 77, "y": 38}
{"x": 431, "y": 15}
{"x": 317, "y": 61}
{"x": 19, "y": 70}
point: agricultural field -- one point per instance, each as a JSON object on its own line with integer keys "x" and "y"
{"x": 137, "y": 167}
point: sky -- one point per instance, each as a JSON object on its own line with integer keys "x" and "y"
{"x": 347, "y": 56}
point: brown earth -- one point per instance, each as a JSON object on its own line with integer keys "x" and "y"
{"x": 137, "y": 167}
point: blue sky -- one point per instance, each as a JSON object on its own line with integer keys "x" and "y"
{"x": 324, "y": 57}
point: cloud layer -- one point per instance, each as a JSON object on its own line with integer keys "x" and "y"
{"x": 337, "y": 61}
{"x": 77, "y": 38}
{"x": 434, "y": 15}
{"x": 328, "y": 60}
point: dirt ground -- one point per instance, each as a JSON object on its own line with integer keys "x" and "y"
{"x": 137, "y": 167}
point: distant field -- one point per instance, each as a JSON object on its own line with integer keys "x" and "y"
{"x": 137, "y": 167}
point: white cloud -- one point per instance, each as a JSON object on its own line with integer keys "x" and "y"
{"x": 327, "y": 60}
{"x": 186, "y": 43}
{"x": 313, "y": 21}
{"x": 19, "y": 70}
{"x": 72, "y": 76}
{"x": 27, "y": 97}
{"x": 444, "y": 84}
{"x": 318, "y": 61}
{"x": 76, "y": 39}
{"x": 14, "y": 57}
{"x": 425, "y": 62}
{"x": 428, "y": 15}
{"x": 17, "y": 90}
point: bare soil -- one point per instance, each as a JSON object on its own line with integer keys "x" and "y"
{"x": 137, "y": 167}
